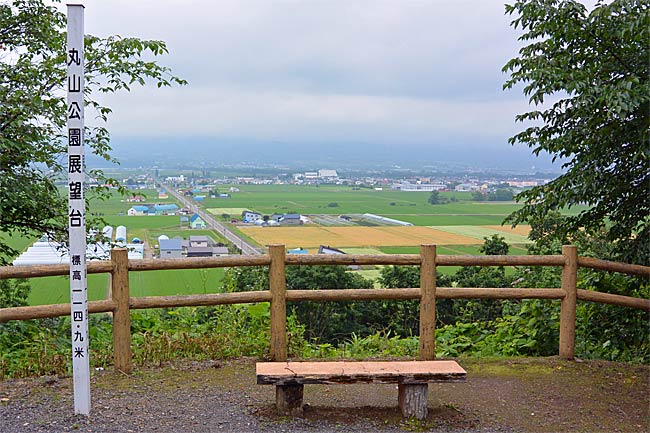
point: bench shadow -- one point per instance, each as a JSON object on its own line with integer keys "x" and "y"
{"x": 438, "y": 416}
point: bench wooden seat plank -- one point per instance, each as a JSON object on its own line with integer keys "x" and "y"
{"x": 412, "y": 378}
{"x": 341, "y": 372}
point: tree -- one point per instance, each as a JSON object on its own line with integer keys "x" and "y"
{"x": 494, "y": 245}
{"x": 501, "y": 194}
{"x": 587, "y": 73}
{"x": 478, "y": 196}
{"x": 33, "y": 111}
{"x": 330, "y": 322}
{"x": 404, "y": 316}
{"x": 434, "y": 198}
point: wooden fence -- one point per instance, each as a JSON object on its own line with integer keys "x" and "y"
{"x": 120, "y": 302}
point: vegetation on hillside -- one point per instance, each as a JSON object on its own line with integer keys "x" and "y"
{"x": 588, "y": 76}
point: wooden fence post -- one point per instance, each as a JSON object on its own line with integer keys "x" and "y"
{"x": 121, "y": 315}
{"x": 428, "y": 302}
{"x": 568, "y": 308}
{"x": 288, "y": 398}
{"x": 278, "y": 286}
{"x": 412, "y": 397}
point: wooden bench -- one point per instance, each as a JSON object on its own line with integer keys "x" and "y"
{"x": 412, "y": 378}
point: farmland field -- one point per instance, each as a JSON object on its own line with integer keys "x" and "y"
{"x": 117, "y": 204}
{"x": 138, "y": 226}
{"x": 18, "y": 242}
{"x": 56, "y": 290}
{"x": 340, "y": 237}
{"x": 235, "y": 212}
{"x": 338, "y": 199}
{"x": 153, "y": 234}
{"x": 269, "y": 199}
{"x": 480, "y": 232}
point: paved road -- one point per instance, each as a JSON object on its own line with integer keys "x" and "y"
{"x": 245, "y": 247}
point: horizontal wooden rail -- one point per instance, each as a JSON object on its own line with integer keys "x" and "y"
{"x": 414, "y": 293}
{"x": 200, "y": 300}
{"x": 498, "y": 293}
{"x": 198, "y": 263}
{"x": 53, "y": 310}
{"x": 352, "y": 259}
{"x": 97, "y": 267}
{"x": 35, "y": 271}
{"x": 352, "y": 294}
{"x": 606, "y": 265}
{"x": 620, "y": 300}
{"x": 45, "y": 311}
{"x": 321, "y": 295}
{"x": 414, "y": 259}
{"x": 463, "y": 260}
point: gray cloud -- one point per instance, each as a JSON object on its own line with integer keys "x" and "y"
{"x": 407, "y": 72}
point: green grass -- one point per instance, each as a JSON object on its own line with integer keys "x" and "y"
{"x": 362, "y": 250}
{"x": 176, "y": 282}
{"x": 269, "y": 199}
{"x": 234, "y": 212}
{"x": 473, "y": 250}
{"x": 451, "y": 220}
{"x": 153, "y": 234}
{"x": 482, "y": 232}
{"x": 18, "y": 242}
{"x": 139, "y": 226}
{"x": 406, "y": 206}
{"x": 117, "y": 204}
{"x": 56, "y": 290}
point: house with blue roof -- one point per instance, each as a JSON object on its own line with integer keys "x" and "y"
{"x": 165, "y": 209}
{"x": 138, "y": 210}
{"x": 196, "y": 222}
{"x": 156, "y": 209}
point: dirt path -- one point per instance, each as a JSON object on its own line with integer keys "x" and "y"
{"x": 532, "y": 395}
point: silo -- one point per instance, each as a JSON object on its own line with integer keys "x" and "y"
{"x": 108, "y": 233}
{"x": 120, "y": 235}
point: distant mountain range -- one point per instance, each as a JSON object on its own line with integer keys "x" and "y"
{"x": 170, "y": 152}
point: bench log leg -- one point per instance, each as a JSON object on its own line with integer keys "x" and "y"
{"x": 288, "y": 398}
{"x": 413, "y": 400}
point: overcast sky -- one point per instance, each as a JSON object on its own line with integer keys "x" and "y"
{"x": 413, "y": 74}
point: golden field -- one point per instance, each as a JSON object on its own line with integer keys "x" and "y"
{"x": 311, "y": 237}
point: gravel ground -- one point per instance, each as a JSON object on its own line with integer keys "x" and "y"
{"x": 215, "y": 397}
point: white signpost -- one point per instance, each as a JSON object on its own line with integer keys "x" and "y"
{"x": 77, "y": 210}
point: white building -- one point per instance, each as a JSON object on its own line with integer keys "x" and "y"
{"x": 407, "y": 186}
{"x": 327, "y": 173}
{"x": 250, "y": 216}
{"x": 465, "y": 187}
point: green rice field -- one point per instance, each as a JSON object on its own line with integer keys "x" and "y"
{"x": 117, "y": 204}
{"x": 56, "y": 290}
{"x": 269, "y": 199}
{"x": 339, "y": 200}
